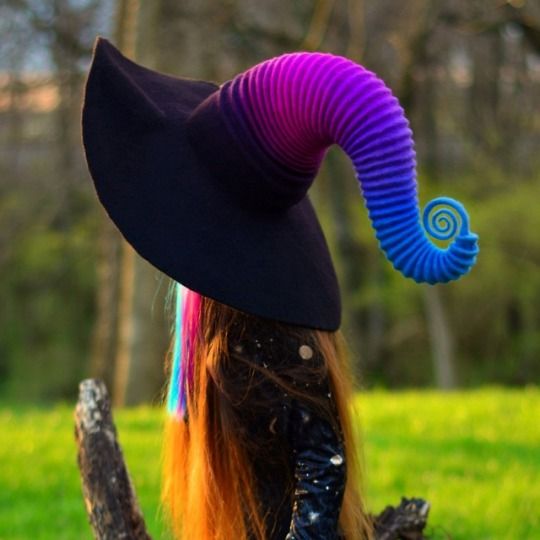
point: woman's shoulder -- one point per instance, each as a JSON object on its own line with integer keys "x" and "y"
{"x": 281, "y": 367}
{"x": 276, "y": 347}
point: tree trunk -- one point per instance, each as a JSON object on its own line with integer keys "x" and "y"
{"x": 442, "y": 340}
{"x": 105, "y": 336}
{"x": 142, "y": 330}
{"x": 109, "y": 496}
{"x": 143, "y": 333}
{"x": 352, "y": 260}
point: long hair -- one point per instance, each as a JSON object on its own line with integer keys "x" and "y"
{"x": 209, "y": 488}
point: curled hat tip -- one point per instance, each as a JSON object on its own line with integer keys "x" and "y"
{"x": 445, "y": 218}
{"x": 443, "y": 223}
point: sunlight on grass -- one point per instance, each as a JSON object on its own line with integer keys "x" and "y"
{"x": 474, "y": 455}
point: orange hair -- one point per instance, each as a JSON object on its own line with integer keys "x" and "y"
{"x": 208, "y": 483}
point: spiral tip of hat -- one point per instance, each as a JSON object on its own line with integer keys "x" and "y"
{"x": 444, "y": 219}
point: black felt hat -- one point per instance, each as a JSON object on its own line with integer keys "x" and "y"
{"x": 209, "y": 183}
{"x": 174, "y": 204}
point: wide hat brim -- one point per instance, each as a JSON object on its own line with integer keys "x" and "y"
{"x": 169, "y": 206}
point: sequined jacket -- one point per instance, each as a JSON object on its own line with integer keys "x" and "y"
{"x": 297, "y": 454}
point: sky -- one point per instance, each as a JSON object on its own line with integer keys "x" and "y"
{"x": 27, "y": 48}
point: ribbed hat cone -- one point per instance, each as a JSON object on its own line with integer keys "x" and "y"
{"x": 208, "y": 183}
{"x": 295, "y": 106}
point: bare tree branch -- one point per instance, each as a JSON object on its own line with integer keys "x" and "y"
{"x": 108, "y": 493}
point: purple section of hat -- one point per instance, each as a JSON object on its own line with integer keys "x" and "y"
{"x": 290, "y": 109}
{"x": 298, "y": 104}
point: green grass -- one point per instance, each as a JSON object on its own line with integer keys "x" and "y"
{"x": 474, "y": 455}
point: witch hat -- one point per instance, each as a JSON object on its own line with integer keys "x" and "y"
{"x": 209, "y": 183}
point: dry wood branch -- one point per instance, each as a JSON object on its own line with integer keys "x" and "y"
{"x": 108, "y": 493}
{"x": 110, "y": 499}
{"x": 405, "y": 522}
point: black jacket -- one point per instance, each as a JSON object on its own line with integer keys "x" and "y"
{"x": 297, "y": 453}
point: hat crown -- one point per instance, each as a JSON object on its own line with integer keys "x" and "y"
{"x": 238, "y": 161}
{"x": 266, "y": 132}
{"x": 279, "y": 118}
{"x": 256, "y": 131}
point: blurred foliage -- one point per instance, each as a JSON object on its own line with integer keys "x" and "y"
{"x": 468, "y": 74}
{"x": 47, "y": 293}
{"x": 48, "y": 288}
{"x": 473, "y": 455}
{"x": 496, "y": 313}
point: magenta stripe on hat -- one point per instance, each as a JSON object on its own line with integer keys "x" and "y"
{"x": 294, "y": 107}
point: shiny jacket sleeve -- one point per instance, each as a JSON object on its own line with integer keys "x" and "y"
{"x": 319, "y": 473}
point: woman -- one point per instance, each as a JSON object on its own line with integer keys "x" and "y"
{"x": 259, "y": 438}
{"x": 209, "y": 183}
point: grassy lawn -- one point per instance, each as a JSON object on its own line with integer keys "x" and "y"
{"x": 474, "y": 455}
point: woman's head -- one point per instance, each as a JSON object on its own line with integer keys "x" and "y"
{"x": 201, "y": 322}
{"x": 209, "y": 485}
